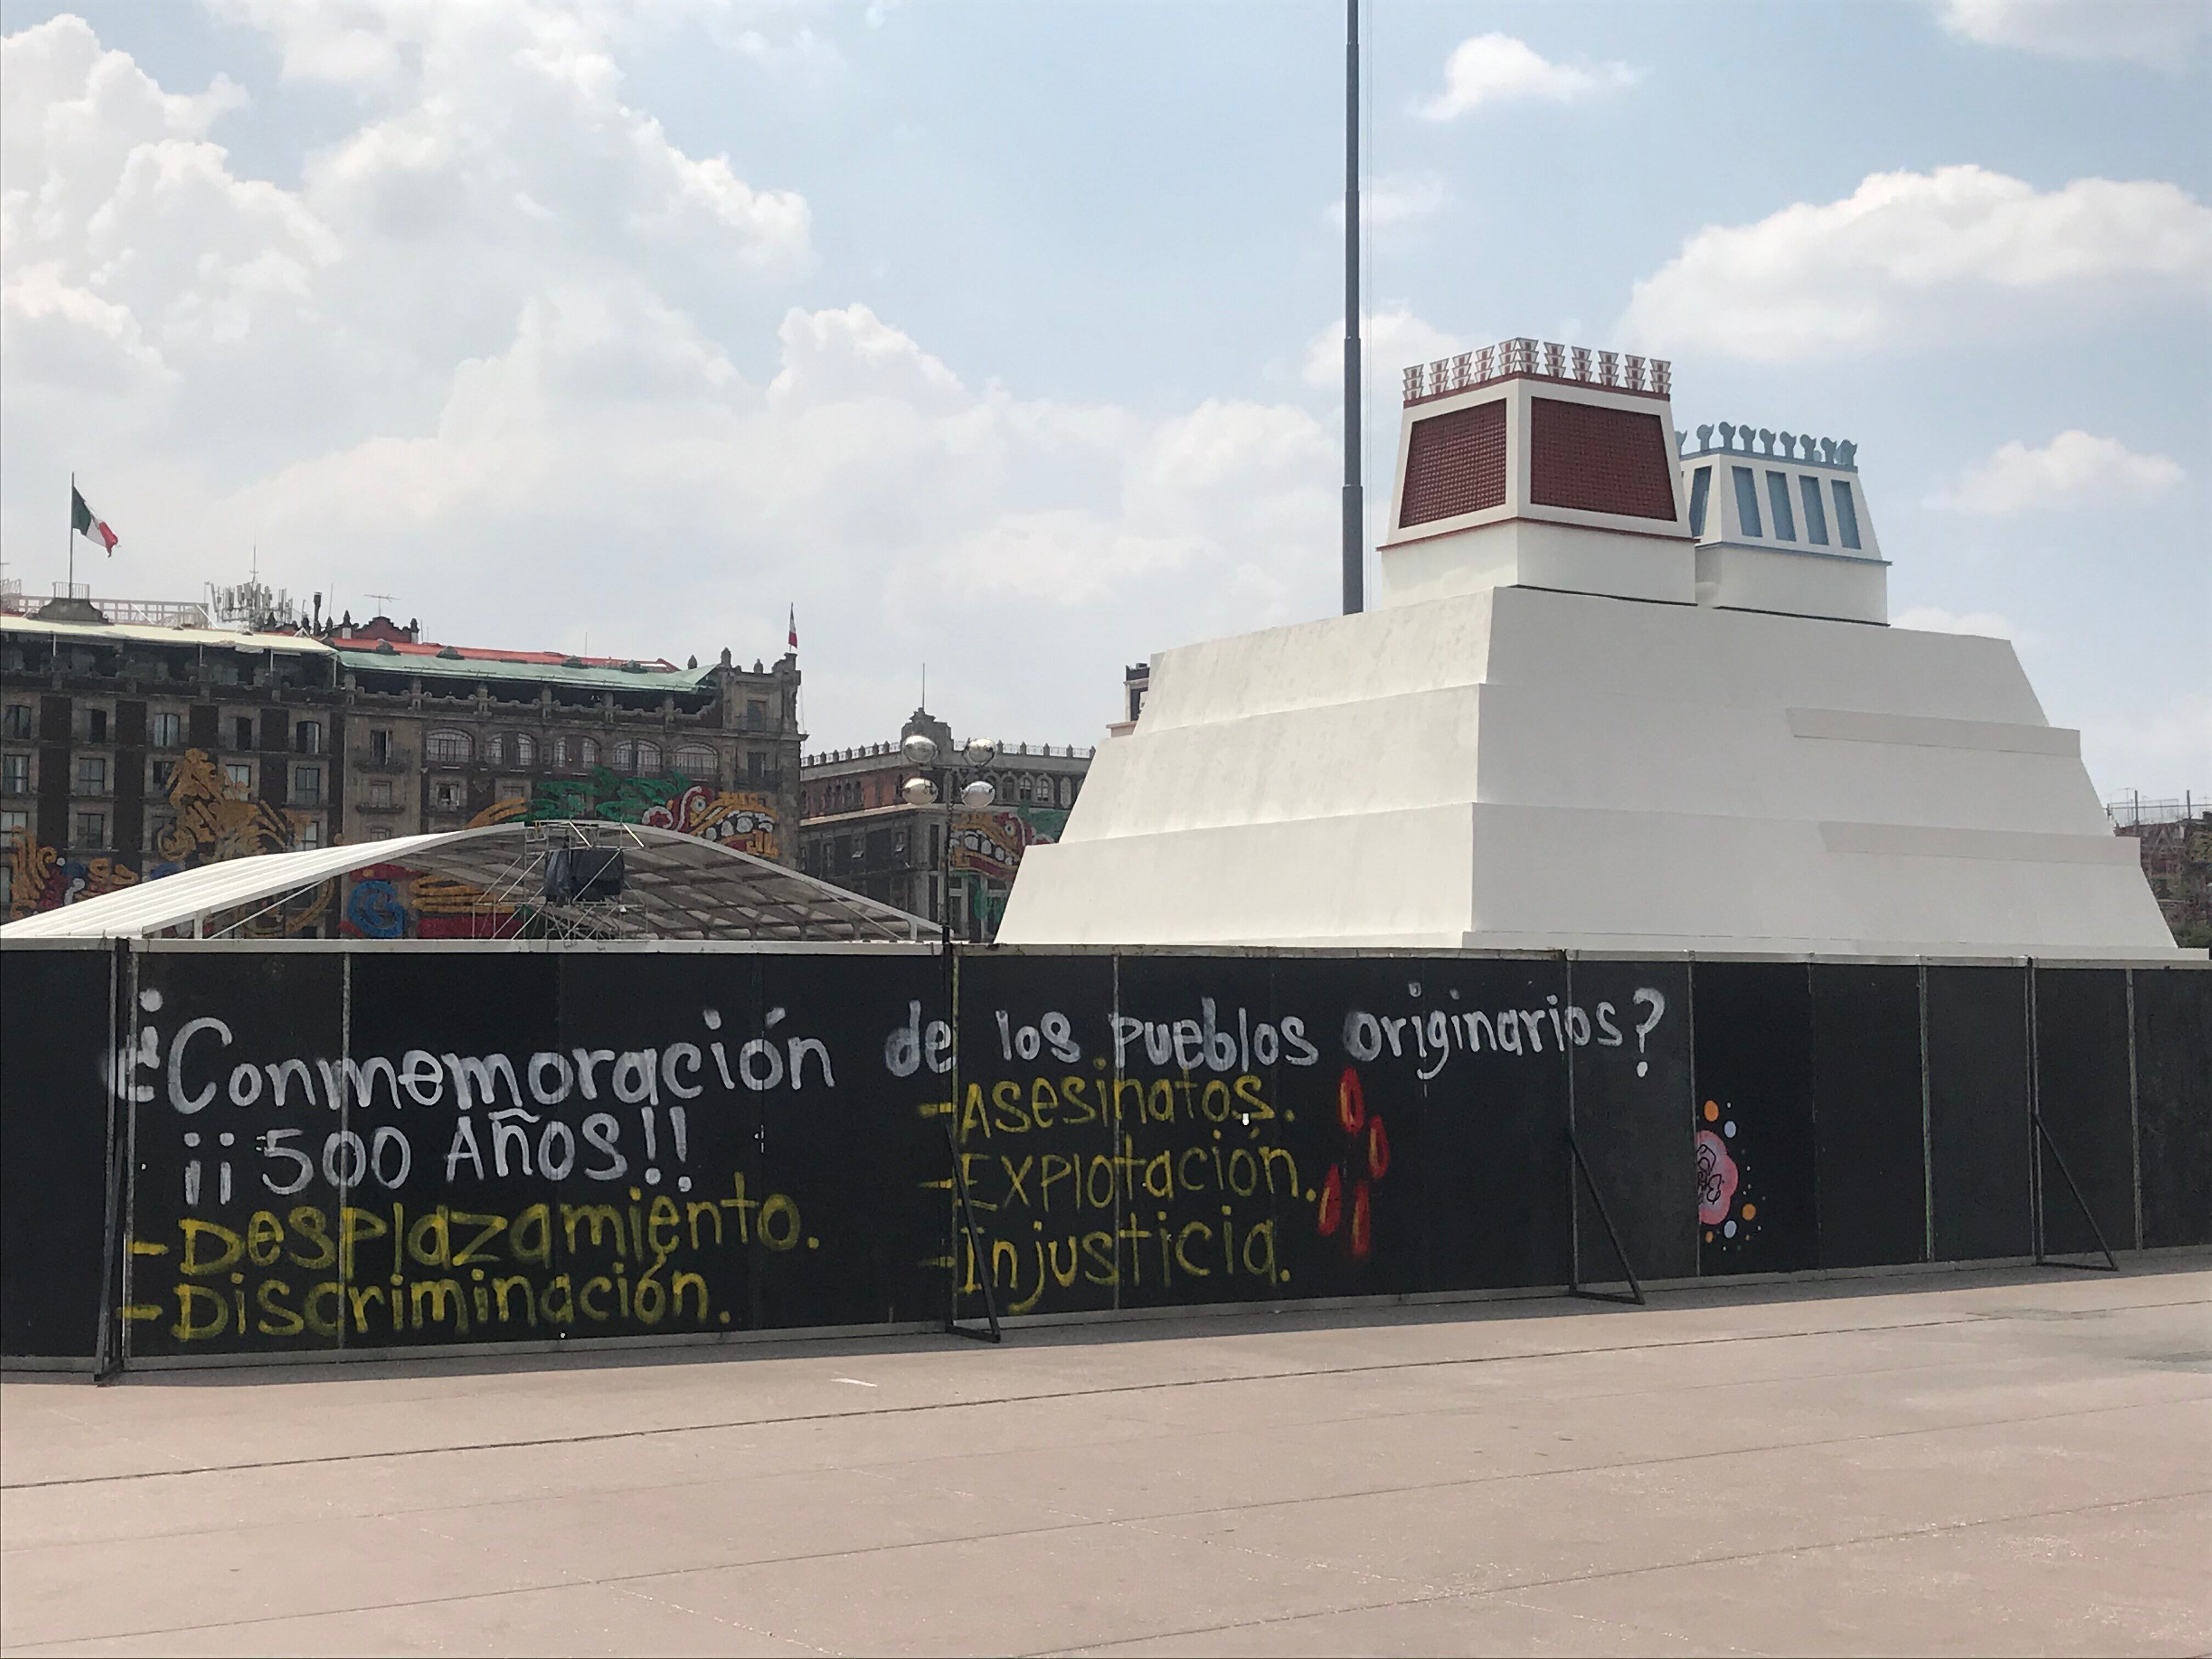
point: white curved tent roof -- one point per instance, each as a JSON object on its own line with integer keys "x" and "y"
{"x": 675, "y": 886}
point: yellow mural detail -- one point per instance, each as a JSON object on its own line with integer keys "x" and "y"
{"x": 500, "y": 811}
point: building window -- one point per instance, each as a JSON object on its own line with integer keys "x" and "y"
{"x": 15, "y": 774}
{"x": 1778, "y": 497}
{"x": 1746, "y": 501}
{"x": 1022, "y": 789}
{"x": 756, "y": 716}
{"x": 95, "y": 725}
{"x": 309, "y": 834}
{"x": 445, "y": 795}
{"x": 11, "y": 820}
{"x": 159, "y": 772}
{"x": 1847, "y": 514}
{"x": 449, "y": 748}
{"x": 525, "y": 749}
{"x": 648, "y": 756}
{"x": 1816, "y": 515}
{"x": 380, "y": 748}
{"x": 308, "y": 737}
{"x": 91, "y": 775}
{"x": 240, "y": 775}
{"x": 698, "y": 765}
{"x": 167, "y": 730}
{"x": 18, "y": 721}
{"x": 1067, "y": 792}
{"x": 1701, "y": 486}
{"x": 379, "y": 792}
{"x": 307, "y": 785}
{"x": 91, "y": 829}
{"x": 241, "y": 731}
{"x": 591, "y": 751}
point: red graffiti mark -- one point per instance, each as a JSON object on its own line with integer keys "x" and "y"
{"x": 1331, "y": 1215}
{"x": 1351, "y": 1101}
{"x": 1364, "y": 1161}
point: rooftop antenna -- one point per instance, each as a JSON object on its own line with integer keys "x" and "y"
{"x": 1354, "y": 503}
{"x": 386, "y": 599}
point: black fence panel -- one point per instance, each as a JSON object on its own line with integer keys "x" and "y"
{"x": 257, "y": 1200}
{"x": 1220, "y": 1134}
{"x": 1484, "y": 1045}
{"x": 1035, "y": 1124}
{"x": 2173, "y": 1104}
{"x": 659, "y": 1217}
{"x": 1635, "y": 1118}
{"x": 390, "y": 1149}
{"x": 852, "y": 1140}
{"x": 55, "y": 1018}
{"x": 2081, "y": 1092}
{"x": 1757, "y": 1193}
{"x": 1868, "y": 1120}
{"x": 1977, "y": 1112}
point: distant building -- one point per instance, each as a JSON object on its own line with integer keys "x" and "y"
{"x": 2174, "y": 839}
{"x": 128, "y": 751}
{"x": 856, "y": 829}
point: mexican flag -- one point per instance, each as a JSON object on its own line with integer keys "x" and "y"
{"x": 86, "y": 522}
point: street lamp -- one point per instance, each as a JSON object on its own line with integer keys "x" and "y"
{"x": 920, "y": 751}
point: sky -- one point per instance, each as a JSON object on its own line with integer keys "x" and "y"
{"x": 999, "y": 339}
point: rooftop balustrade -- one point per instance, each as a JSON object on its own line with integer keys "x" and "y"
{"x": 1540, "y": 360}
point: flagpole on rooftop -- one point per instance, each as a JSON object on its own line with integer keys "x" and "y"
{"x": 72, "y": 536}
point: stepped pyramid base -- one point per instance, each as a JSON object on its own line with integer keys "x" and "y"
{"x": 1521, "y": 768}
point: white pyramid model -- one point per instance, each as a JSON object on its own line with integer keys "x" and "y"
{"x": 1621, "y": 691}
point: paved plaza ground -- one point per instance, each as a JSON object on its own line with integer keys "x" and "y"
{"x": 2013, "y": 1461}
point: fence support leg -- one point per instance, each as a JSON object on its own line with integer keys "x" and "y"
{"x": 1635, "y": 1295}
{"x": 975, "y": 1251}
{"x": 2042, "y": 1258}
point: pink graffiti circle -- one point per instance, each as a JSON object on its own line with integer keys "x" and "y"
{"x": 1718, "y": 1176}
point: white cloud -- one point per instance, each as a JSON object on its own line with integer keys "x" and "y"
{"x": 2073, "y": 468}
{"x": 1394, "y": 198}
{"x": 1934, "y": 619}
{"x": 1913, "y": 256}
{"x": 1390, "y": 340}
{"x": 1496, "y": 68}
{"x": 483, "y": 352}
{"x": 2161, "y": 32}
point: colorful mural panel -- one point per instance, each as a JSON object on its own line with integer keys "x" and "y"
{"x": 214, "y": 820}
{"x": 739, "y": 819}
{"x": 389, "y": 901}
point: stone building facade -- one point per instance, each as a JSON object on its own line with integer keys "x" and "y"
{"x": 857, "y": 830}
{"x": 128, "y": 752}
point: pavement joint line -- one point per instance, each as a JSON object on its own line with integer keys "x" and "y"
{"x": 877, "y": 1469}
{"x": 997, "y": 1400}
{"x": 637, "y": 1594}
{"x": 1507, "y": 1591}
{"x": 621, "y": 1581}
{"x": 1078, "y": 1520}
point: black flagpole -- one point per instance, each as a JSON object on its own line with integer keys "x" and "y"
{"x": 1354, "y": 504}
